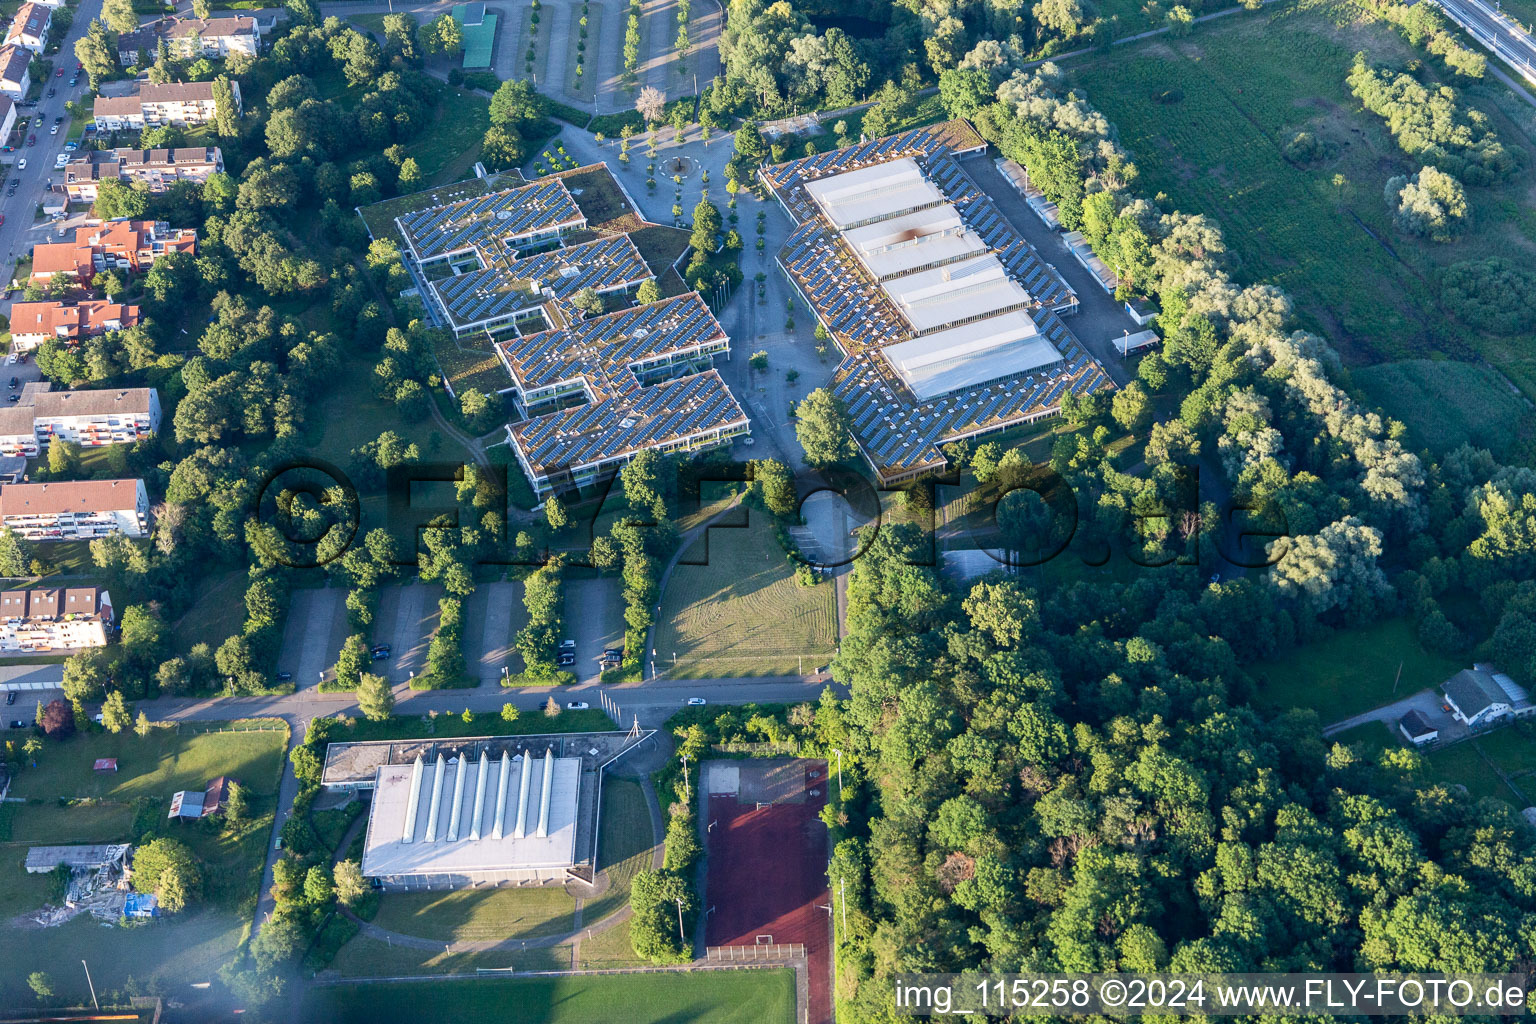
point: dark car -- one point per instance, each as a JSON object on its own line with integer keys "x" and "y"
{"x": 285, "y": 677}
{"x": 10, "y": 696}
{"x": 14, "y": 382}
{"x": 613, "y": 652}
{"x": 567, "y": 660}
{"x": 14, "y": 398}
{"x": 380, "y": 655}
{"x": 18, "y": 724}
{"x": 53, "y": 92}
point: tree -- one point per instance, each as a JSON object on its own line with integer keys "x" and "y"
{"x": 551, "y": 708}
{"x": 226, "y": 119}
{"x": 15, "y": 554}
{"x": 588, "y": 301}
{"x": 517, "y": 106}
{"x": 1131, "y": 406}
{"x": 555, "y": 513}
{"x": 400, "y": 35}
{"x": 120, "y": 16}
{"x": 502, "y": 147}
{"x": 509, "y": 712}
{"x": 237, "y": 806}
{"x": 706, "y": 225}
{"x": 202, "y": 9}
{"x": 649, "y": 291}
{"x": 350, "y": 884}
{"x": 116, "y": 715}
{"x": 822, "y": 428}
{"x": 319, "y": 890}
{"x": 142, "y": 725}
{"x": 375, "y": 697}
{"x": 963, "y": 91}
{"x": 1181, "y": 21}
{"x": 1430, "y": 204}
{"x": 58, "y": 720}
{"x": 168, "y": 869}
{"x": 41, "y": 985}
{"x": 350, "y": 662}
{"x": 443, "y": 36}
{"x": 650, "y": 104}
{"x": 95, "y": 53}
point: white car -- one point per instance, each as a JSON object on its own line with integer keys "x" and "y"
{"x": 696, "y": 702}
{"x": 577, "y": 705}
{"x": 60, "y": 161}
{"x": 54, "y": 130}
{"x": 567, "y": 645}
{"x": 21, "y": 164}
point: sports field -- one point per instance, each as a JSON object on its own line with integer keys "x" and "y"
{"x": 741, "y": 613}
{"x": 704, "y": 997}
{"x": 1206, "y": 119}
{"x": 1352, "y": 670}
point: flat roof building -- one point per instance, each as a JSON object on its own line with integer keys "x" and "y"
{"x": 914, "y": 241}
{"x": 954, "y": 293}
{"x": 877, "y": 192}
{"x": 473, "y": 820}
{"x": 965, "y": 356}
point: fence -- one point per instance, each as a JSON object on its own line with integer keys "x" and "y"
{"x": 774, "y": 951}
{"x": 240, "y": 725}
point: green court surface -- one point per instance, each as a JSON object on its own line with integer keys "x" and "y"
{"x": 479, "y": 39}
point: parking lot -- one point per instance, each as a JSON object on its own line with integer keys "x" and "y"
{"x": 594, "y": 618}
{"x": 313, "y": 634}
{"x": 492, "y": 616}
{"x": 406, "y": 619}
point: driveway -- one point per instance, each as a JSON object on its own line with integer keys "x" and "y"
{"x": 313, "y": 635}
{"x": 1426, "y": 702}
{"x": 406, "y": 619}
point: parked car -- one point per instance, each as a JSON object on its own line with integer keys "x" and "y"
{"x": 696, "y": 702}
{"x": 60, "y": 161}
{"x": 385, "y": 648}
{"x": 577, "y": 705}
{"x": 15, "y": 383}
{"x": 613, "y": 652}
{"x": 21, "y": 164}
{"x": 18, "y": 724}
{"x": 285, "y": 677}
{"x": 10, "y": 696}
{"x": 52, "y": 93}
{"x": 380, "y": 655}
{"x": 14, "y": 398}
{"x": 567, "y": 645}
{"x": 566, "y": 660}
{"x": 59, "y": 73}
{"x": 53, "y": 130}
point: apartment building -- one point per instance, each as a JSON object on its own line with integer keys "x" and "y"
{"x": 91, "y": 419}
{"x": 157, "y": 169}
{"x": 150, "y": 106}
{"x": 187, "y": 38}
{"x": 130, "y": 245}
{"x": 29, "y": 29}
{"x": 33, "y": 323}
{"x": 15, "y": 71}
{"x": 54, "y": 618}
{"x": 7, "y": 116}
{"x": 75, "y": 509}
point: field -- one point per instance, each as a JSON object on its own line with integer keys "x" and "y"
{"x": 171, "y": 951}
{"x": 742, "y": 613}
{"x": 1513, "y": 749}
{"x": 478, "y": 915}
{"x": 705, "y": 997}
{"x": 1446, "y": 404}
{"x": 1352, "y": 670}
{"x": 624, "y": 844}
{"x": 1206, "y": 119}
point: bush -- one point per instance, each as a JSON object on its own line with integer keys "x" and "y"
{"x": 1491, "y": 294}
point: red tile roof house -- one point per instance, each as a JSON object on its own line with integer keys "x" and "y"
{"x": 33, "y": 323}
{"x": 75, "y": 509}
{"x": 131, "y": 245}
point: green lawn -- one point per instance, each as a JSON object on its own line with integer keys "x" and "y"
{"x": 217, "y": 611}
{"x": 705, "y": 997}
{"x": 1461, "y": 764}
{"x": 479, "y": 915}
{"x": 1352, "y": 670}
{"x": 1206, "y": 119}
{"x": 742, "y": 614}
{"x": 155, "y": 766}
{"x": 1447, "y": 404}
{"x": 624, "y": 845}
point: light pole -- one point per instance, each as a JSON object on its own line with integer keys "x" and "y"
{"x": 91, "y": 984}
{"x": 680, "y": 939}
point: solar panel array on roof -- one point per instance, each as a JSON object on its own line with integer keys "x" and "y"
{"x": 509, "y": 285}
{"x": 495, "y": 220}
{"x": 900, "y": 423}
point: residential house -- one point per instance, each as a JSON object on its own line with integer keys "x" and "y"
{"x": 130, "y": 245}
{"x": 155, "y": 168}
{"x": 149, "y": 106}
{"x": 215, "y": 37}
{"x": 55, "y": 618}
{"x": 15, "y": 71}
{"x": 33, "y": 323}
{"x": 1416, "y": 728}
{"x": 29, "y": 29}
{"x": 7, "y": 117}
{"x": 192, "y": 803}
{"x": 75, "y": 509}
{"x": 91, "y": 419}
{"x": 1479, "y": 696}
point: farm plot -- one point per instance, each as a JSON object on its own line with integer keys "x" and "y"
{"x": 742, "y": 613}
{"x": 1207, "y": 120}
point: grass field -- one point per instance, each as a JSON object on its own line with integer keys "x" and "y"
{"x": 625, "y": 843}
{"x": 1446, "y": 404}
{"x": 742, "y": 614}
{"x": 1352, "y": 670}
{"x": 216, "y": 613}
{"x": 705, "y": 997}
{"x": 1513, "y": 749}
{"x": 370, "y": 958}
{"x": 1206, "y": 119}
{"x": 478, "y": 915}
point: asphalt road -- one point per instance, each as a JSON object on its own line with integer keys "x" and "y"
{"x": 1496, "y": 31}
{"x": 19, "y": 233}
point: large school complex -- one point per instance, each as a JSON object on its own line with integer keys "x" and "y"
{"x": 948, "y": 321}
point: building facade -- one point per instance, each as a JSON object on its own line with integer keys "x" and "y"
{"x": 150, "y": 106}
{"x": 15, "y": 71}
{"x": 7, "y": 116}
{"x": 91, "y": 419}
{"x": 157, "y": 169}
{"x": 33, "y": 323}
{"x": 130, "y": 245}
{"x": 75, "y": 509}
{"x": 29, "y": 29}
{"x": 54, "y": 618}
{"x": 189, "y": 38}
